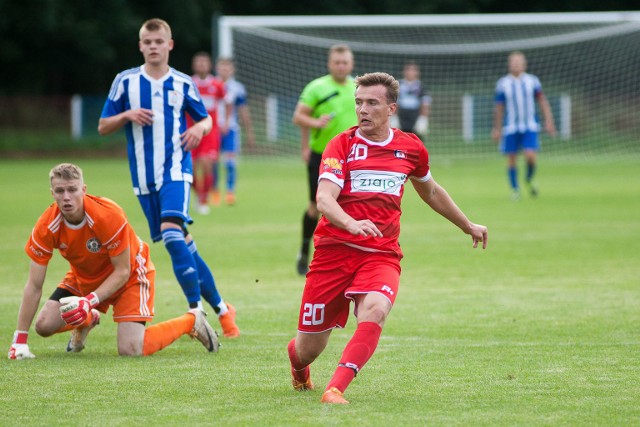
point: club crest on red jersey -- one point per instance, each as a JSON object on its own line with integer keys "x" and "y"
{"x": 400, "y": 154}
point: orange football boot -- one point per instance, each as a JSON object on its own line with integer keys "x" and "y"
{"x": 228, "y": 323}
{"x": 333, "y": 396}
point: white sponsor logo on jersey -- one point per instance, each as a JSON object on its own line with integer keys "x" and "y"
{"x": 35, "y": 251}
{"x": 371, "y": 181}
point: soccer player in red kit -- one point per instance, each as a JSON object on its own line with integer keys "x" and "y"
{"x": 206, "y": 154}
{"x": 357, "y": 255}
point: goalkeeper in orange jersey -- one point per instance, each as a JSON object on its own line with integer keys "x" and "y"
{"x": 109, "y": 266}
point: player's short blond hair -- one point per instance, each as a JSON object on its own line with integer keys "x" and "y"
{"x": 66, "y": 172}
{"x": 384, "y": 79}
{"x": 155, "y": 24}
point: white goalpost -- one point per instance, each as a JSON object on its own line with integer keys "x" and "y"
{"x": 587, "y": 63}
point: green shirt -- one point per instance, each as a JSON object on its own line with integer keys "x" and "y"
{"x": 325, "y": 96}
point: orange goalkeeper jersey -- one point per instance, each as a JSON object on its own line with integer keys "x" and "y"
{"x": 88, "y": 246}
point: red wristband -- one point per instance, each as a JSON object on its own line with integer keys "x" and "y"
{"x": 93, "y": 299}
{"x": 20, "y": 337}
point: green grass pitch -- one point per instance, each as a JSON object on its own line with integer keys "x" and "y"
{"x": 542, "y": 328}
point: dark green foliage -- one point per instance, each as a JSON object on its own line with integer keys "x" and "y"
{"x": 73, "y": 46}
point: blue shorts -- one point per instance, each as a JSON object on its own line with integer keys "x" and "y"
{"x": 515, "y": 142}
{"x": 171, "y": 200}
{"x": 230, "y": 143}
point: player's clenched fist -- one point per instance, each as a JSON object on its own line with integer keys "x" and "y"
{"x": 75, "y": 310}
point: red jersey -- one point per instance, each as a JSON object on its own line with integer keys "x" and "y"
{"x": 212, "y": 92}
{"x": 372, "y": 177}
{"x": 104, "y": 233}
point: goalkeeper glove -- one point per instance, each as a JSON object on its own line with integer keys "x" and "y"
{"x": 75, "y": 310}
{"x": 422, "y": 125}
{"x": 19, "y": 349}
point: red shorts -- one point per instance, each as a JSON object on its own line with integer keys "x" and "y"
{"x": 336, "y": 274}
{"x": 209, "y": 146}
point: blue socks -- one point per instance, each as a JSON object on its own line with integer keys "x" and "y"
{"x": 513, "y": 178}
{"x": 207, "y": 283}
{"x": 231, "y": 174}
{"x": 531, "y": 169}
{"x": 230, "y": 165}
{"x": 184, "y": 265}
{"x": 215, "y": 170}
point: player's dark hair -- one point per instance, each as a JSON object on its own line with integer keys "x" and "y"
{"x": 203, "y": 54}
{"x": 384, "y": 79}
{"x": 339, "y": 48}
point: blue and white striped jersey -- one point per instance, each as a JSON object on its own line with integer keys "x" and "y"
{"x": 155, "y": 152}
{"x": 236, "y": 95}
{"x": 518, "y": 94}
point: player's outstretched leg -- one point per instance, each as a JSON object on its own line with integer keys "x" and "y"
{"x": 192, "y": 323}
{"x": 79, "y": 335}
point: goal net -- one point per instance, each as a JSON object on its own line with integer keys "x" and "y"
{"x": 587, "y": 63}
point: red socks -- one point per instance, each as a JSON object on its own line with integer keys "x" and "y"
{"x": 299, "y": 372}
{"x": 202, "y": 185}
{"x": 357, "y": 352}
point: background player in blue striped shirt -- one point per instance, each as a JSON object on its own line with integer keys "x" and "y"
{"x": 236, "y": 99}
{"x": 150, "y": 102}
{"x": 515, "y": 121}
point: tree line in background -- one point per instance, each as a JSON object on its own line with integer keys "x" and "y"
{"x": 61, "y": 47}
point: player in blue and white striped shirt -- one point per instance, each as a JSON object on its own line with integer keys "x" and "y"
{"x": 150, "y": 102}
{"x": 236, "y": 96}
{"x": 515, "y": 122}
